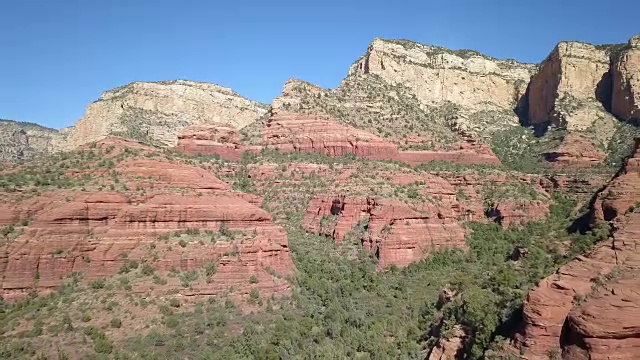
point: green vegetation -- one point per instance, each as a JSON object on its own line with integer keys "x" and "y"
{"x": 341, "y": 307}
{"x": 519, "y": 149}
{"x": 622, "y": 144}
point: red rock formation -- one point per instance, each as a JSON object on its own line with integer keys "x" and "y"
{"x": 519, "y": 212}
{"x": 213, "y": 139}
{"x": 464, "y": 153}
{"x": 93, "y": 232}
{"x": 397, "y": 234}
{"x": 162, "y": 173}
{"x": 90, "y": 232}
{"x": 549, "y": 322}
{"x": 606, "y": 324}
{"x": 321, "y": 134}
{"x": 575, "y": 151}
{"x": 446, "y": 189}
{"x": 449, "y": 348}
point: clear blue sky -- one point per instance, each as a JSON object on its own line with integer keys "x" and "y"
{"x": 58, "y": 56}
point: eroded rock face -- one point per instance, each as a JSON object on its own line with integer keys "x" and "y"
{"x": 465, "y": 153}
{"x": 96, "y": 233}
{"x": 625, "y": 103}
{"x": 436, "y": 75}
{"x": 299, "y": 133}
{"x": 156, "y": 113}
{"x": 565, "y": 89}
{"x": 288, "y": 132}
{"x": 390, "y": 229}
{"x": 161, "y": 173}
{"x": 607, "y": 323}
{"x": 556, "y": 314}
{"x": 575, "y": 151}
{"x": 23, "y": 141}
{"x": 449, "y": 348}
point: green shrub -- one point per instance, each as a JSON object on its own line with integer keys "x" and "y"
{"x": 115, "y": 323}
{"x": 147, "y": 270}
{"x": 98, "y": 284}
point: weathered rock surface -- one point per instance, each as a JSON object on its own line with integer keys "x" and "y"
{"x": 168, "y": 174}
{"x": 607, "y": 324}
{"x": 575, "y": 151}
{"x": 156, "y": 113}
{"x": 465, "y": 153}
{"x": 625, "y": 102}
{"x": 450, "y": 348}
{"x": 550, "y": 324}
{"x": 20, "y": 141}
{"x": 390, "y": 229}
{"x": 436, "y": 75}
{"x": 566, "y": 88}
{"x": 298, "y": 133}
{"x": 212, "y": 139}
{"x": 288, "y": 132}
{"x": 509, "y": 213}
{"x": 97, "y": 233}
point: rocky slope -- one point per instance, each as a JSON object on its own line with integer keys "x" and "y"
{"x": 401, "y": 89}
{"x": 290, "y": 132}
{"x": 21, "y": 141}
{"x": 155, "y": 113}
{"x": 161, "y": 214}
{"x": 560, "y": 313}
{"x": 429, "y": 98}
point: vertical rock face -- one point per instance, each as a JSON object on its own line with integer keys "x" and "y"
{"x": 89, "y": 232}
{"x": 565, "y": 89}
{"x": 21, "y": 141}
{"x": 560, "y": 313}
{"x": 156, "y": 113}
{"x": 400, "y": 89}
{"x": 436, "y": 75}
{"x": 625, "y": 103}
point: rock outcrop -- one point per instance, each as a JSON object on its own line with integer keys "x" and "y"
{"x": 437, "y": 75}
{"x": 558, "y": 313}
{"x": 451, "y": 347}
{"x": 288, "y": 132}
{"x": 97, "y": 233}
{"x": 299, "y": 133}
{"x": 156, "y": 113}
{"x": 212, "y": 139}
{"x": 390, "y": 229}
{"x": 20, "y": 141}
{"x": 625, "y": 102}
{"x": 467, "y": 152}
{"x": 566, "y": 89}
{"x": 575, "y": 151}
